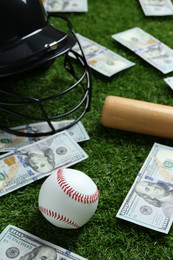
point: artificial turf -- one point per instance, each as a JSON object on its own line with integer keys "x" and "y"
{"x": 115, "y": 156}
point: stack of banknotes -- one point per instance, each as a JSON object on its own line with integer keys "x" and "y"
{"x": 27, "y": 159}
{"x": 16, "y": 243}
{"x": 169, "y": 81}
{"x": 65, "y": 6}
{"x": 147, "y": 47}
{"x": 149, "y": 202}
{"x": 157, "y": 7}
{"x": 100, "y": 58}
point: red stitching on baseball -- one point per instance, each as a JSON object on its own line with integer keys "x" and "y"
{"x": 86, "y": 199}
{"x": 58, "y": 216}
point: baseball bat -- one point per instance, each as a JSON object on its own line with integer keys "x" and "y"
{"x": 137, "y": 116}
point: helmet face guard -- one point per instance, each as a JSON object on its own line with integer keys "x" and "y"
{"x": 37, "y": 46}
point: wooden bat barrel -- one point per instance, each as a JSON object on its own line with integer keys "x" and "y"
{"x": 137, "y": 116}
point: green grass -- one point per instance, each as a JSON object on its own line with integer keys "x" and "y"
{"x": 115, "y": 156}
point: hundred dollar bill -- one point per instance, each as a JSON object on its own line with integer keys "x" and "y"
{"x": 8, "y": 141}
{"x": 100, "y": 58}
{"x": 35, "y": 161}
{"x": 66, "y": 6}
{"x": 148, "y": 48}
{"x": 18, "y": 244}
{"x": 169, "y": 81}
{"x": 157, "y": 7}
{"x": 149, "y": 202}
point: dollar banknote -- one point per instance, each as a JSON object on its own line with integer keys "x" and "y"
{"x": 9, "y": 142}
{"x": 149, "y": 202}
{"x": 100, "y": 58}
{"x": 16, "y": 243}
{"x": 157, "y": 7}
{"x": 65, "y": 6}
{"x": 169, "y": 81}
{"x": 148, "y": 48}
{"x": 35, "y": 161}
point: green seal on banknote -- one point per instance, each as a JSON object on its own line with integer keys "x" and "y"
{"x": 168, "y": 164}
{"x": 6, "y": 140}
{"x": 2, "y": 176}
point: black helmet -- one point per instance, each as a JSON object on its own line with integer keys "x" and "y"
{"x": 29, "y": 41}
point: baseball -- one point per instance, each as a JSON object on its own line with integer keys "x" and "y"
{"x": 68, "y": 198}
